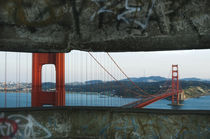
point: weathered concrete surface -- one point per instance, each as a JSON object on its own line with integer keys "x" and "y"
{"x": 104, "y": 25}
{"x": 86, "y": 122}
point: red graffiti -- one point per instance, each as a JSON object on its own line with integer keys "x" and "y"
{"x": 14, "y": 127}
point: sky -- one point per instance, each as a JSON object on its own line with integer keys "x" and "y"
{"x": 80, "y": 66}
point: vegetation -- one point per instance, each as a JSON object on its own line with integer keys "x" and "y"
{"x": 126, "y": 89}
{"x": 192, "y": 87}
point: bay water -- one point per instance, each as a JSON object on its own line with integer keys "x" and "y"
{"x": 96, "y": 99}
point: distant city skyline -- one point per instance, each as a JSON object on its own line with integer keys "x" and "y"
{"x": 81, "y": 67}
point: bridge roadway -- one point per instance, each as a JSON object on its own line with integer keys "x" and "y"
{"x": 100, "y": 122}
{"x": 146, "y": 101}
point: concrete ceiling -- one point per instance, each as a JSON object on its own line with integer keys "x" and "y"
{"x": 104, "y": 25}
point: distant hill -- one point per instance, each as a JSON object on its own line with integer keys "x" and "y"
{"x": 159, "y": 79}
{"x": 93, "y": 82}
{"x": 48, "y": 84}
{"x": 150, "y": 79}
{"x": 147, "y": 79}
{"x": 193, "y": 79}
{"x": 75, "y": 83}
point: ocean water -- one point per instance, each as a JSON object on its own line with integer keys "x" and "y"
{"x": 200, "y": 103}
{"x": 87, "y": 99}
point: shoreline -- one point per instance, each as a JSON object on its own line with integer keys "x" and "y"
{"x": 208, "y": 94}
{"x": 95, "y": 93}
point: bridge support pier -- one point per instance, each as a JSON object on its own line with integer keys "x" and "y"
{"x": 39, "y": 97}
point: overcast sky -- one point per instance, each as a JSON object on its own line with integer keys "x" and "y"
{"x": 80, "y": 66}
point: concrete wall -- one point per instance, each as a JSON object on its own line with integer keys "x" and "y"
{"x": 86, "y": 122}
{"x": 104, "y": 25}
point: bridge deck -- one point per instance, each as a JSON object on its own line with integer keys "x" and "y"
{"x": 144, "y": 102}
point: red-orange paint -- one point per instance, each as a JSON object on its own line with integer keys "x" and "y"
{"x": 39, "y": 97}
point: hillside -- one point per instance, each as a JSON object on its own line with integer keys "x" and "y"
{"x": 127, "y": 89}
{"x": 192, "y": 87}
{"x": 196, "y": 91}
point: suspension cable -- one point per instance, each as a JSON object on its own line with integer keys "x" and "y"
{"x": 19, "y": 80}
{"x": 16, "y": 79}
{"x": 5, "y": 84}
{"x": 166, "y": 82}
{"x": 27, "y": 80}
{"x": 162, "y": 88}
{"x": 127, "y": 76}
{"x": 110, "y": 73}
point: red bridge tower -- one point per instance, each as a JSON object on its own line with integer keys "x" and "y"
{"x": 175, "y": 84}
{"x": 39, "y": 97}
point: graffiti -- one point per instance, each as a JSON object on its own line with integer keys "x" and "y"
{"x": 64, "y": 25}
{"x": 21, "y": 126}
{"x": 140, "y": 15}
{"x": 201, "y": 20}
{"x": 38, "y": 13}
{"x": 163, "y": 10}
{"x": 66, "y": 124}
{"x": 101, "y": 10}
{"x": 10, "y": 125}
{"x": 181, "y": 25}
{"x": 125, "y": 126}
{"x": 148, "y": 126}
{"x": 199, "y": 4}
{"x": 122, "y": 16}
{"x": 130, "y": 10}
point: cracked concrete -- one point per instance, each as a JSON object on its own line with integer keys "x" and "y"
{"x": 104, "y": 25}
{"x": 98, "y": 122}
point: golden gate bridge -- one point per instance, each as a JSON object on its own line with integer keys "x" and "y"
{"x": 56, "y": 97}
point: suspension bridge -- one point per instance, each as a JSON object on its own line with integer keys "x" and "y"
{"x": 48, "y": 29}
{"x": 56, "y": 95}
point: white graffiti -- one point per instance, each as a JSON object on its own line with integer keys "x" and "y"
{"x": 201, "y": 20}
{"x": 199, "y": 4}
{"x": 101, "y": 10}
{"x": 21, "y": 126}
{"x": 163, "y": 12}
{"x": 130, "y": 10}
{"x": 181, "y": 25}
{"x": 122, "y": 16}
